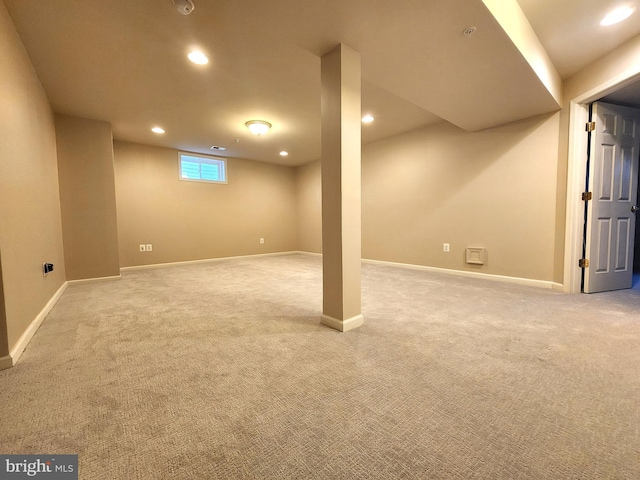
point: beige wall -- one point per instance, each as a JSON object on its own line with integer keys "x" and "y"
{"x": 193, "y": 220}
{"x": 87, "y": 197}
{"x": 493, "y": 189}
{"x": 30, "y": 227}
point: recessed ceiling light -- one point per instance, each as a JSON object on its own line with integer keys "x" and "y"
{"x": 283, "y": 153}
{"x": 158, "y": 130}
{"x": 258, "y": 127}
{"x": 185, "y": 7}
{"x": 617, "y": 15}
{"x": 367, "y": 119}
{"x": 197, "y": 57}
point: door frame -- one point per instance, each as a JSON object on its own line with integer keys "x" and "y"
{"x": 577, "y": 174}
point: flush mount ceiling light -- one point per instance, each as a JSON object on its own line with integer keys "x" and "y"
{"x": 367, "y": 119}
{"x": 617, "y": 15}
{"x": 158, "y": 130}
{"x": 185, "y": 7}
{"x": 284, "y": 153}
{"x": 258, "y": 127}
{"x": 197, "y": 57}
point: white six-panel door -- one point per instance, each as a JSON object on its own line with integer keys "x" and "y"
{"x": 613, "y": 182}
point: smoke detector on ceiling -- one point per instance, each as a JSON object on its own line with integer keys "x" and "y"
{"x": 185, "y": 7}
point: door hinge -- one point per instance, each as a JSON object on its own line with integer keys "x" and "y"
{"x": 586, "y": 196}
{"x": 591, "y": 126}
{"x": 583, "y": 263}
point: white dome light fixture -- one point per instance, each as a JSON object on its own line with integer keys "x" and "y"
{"x": 158, "y": 130}
{"x": 284, "y": 153}
{"x": 617, "y": 16}
{"x": 197, "y": 57}
{"x": 258, "y": 127}
{"x": 367, "y": 119}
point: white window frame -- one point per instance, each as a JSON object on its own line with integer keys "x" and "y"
{"x": 203, "y": 159}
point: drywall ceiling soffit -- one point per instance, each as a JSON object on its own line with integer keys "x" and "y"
{"x": 515, "y": 24}
{"x": 417, "y": 51}
{"x": 124, "y": 62}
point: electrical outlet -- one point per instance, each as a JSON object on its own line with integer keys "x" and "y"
{"x": 445, "y": 247}
{"x": 149, "y": 247}
{"x": 261, "y": 240}
{"x": 143, "y": 247}
{"x": 47, "y": 268}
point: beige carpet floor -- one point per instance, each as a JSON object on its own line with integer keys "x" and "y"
{"x": 223, "y": 371}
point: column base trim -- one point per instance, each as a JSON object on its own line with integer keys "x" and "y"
{"x": 342, "y": 325}
{"x": 6, "y": 362}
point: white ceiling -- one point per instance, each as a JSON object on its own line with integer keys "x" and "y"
{"x": 570, "y": 30}
{"x": 125, "y": 62}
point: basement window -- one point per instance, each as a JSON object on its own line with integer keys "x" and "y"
{"x": 202, "y": 168}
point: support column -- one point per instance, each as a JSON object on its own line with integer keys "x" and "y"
{"x": 341, "y": 189}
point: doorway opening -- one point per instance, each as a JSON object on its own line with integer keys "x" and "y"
{"x": 629, "y": 96}
{"x": 626, "y": 90}
{"x": 613, "y": 143}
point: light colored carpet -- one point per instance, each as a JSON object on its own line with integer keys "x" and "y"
{"x": 223, "y": 371}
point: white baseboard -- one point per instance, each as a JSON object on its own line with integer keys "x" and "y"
{"x": 342, "y": 325}
{"x": 6, "y": 362}
{"x": 312, "y": 254}
{"x": 205, "y": 260}
{"x": 93, "y": 280}
{"x": 464, "y": 273}
{"x": 31, "y": 330}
